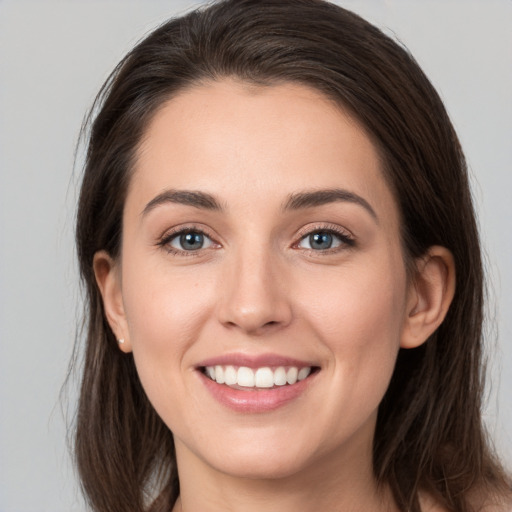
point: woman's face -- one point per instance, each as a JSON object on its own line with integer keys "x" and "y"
{"x": 261, "y": 244}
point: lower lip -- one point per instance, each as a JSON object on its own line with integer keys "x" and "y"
{"x": 256, "y": 400}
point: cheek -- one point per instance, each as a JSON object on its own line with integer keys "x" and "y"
{"x": 358, "y": 316}
{"x": 163, "y": 307}
{"x": 357, "y": 306}
{"x": 165, "y": 312}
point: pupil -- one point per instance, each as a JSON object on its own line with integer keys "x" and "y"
{"x": 321, "y": 240}
{"x": 191, "y": 241}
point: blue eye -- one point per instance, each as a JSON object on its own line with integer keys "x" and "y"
{"x": 189, "y": 241}
{"x": 320, "y": 241}
{"x": 324, "y": 240}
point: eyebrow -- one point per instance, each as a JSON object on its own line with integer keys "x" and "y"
{"x": 193, "y": 198}
{"x": 309, "y": 199}
{"x": 296, "y": 201}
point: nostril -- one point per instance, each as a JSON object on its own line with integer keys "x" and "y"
{"x": 254, "y": 313}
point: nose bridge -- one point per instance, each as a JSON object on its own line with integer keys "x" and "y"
{"x": 253, "y": 296}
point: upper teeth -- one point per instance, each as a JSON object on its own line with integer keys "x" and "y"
{"x": 257, "y": 378}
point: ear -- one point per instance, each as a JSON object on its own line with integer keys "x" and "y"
{"x": 108, "y": 278}
{"x": 431, "y": 292}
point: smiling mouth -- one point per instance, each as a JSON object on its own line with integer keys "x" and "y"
{"x": 245, "y": 378}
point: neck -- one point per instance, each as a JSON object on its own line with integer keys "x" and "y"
{"x": 336, "y": 482}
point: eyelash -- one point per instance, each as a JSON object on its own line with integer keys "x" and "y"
{"x": 168, "y": 237}
{"x": 346, "y": 240}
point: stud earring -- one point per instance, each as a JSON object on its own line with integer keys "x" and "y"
{"x": 121, "y": 341}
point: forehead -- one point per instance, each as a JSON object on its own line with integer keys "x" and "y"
{"x": 239, "y": 141}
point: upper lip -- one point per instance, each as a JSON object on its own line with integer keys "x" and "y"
{"x": 254, "y": 361}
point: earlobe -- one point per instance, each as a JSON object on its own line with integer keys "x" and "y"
{"x": 430, "y": 295}
{"x": 108, "y": 278}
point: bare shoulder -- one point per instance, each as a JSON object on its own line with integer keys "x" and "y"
{"x": 429, "y": 504}
{"x": 501, "y": 507}
{"x": 488, "y": 504}
{"x": 492, "y": 503}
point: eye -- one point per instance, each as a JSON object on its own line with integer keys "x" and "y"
{"x": 325, "y": 239}
{"x": 189, "y": 240}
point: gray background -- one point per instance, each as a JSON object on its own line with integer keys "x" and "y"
{"x": 54, "y": 55}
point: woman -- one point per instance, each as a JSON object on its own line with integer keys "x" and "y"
{"x": 278, "y": 243}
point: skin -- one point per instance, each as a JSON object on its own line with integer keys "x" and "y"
{"x": 258, "y": 287}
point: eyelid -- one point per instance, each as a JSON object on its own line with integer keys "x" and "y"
{"x": 346, "y": 237}
{"x": 165, "y": 239}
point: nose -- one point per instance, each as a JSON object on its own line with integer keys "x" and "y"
{"x": 253, "y": 297}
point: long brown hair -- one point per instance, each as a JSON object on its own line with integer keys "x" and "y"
{"x": 429, "y": 434}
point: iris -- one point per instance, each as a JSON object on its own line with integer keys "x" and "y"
{"x": 191, "y": 241}
{"x": 320, "y": 240}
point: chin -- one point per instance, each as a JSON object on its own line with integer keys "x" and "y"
{"x": 261, "y": 467}
{"x": 263, "y": 458}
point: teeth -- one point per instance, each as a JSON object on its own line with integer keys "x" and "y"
{"x": 280, "y": 376}
{"x": 245, "y": 377}
{"x": 219, "y": 374}
{"x": 260, "y": 378}
{"x": 291, "y": 375}
{"x": 264, "y": 378}
{"x": 303, "y": 373}
{"x": 230, "y": 376}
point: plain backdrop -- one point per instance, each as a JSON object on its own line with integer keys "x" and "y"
{"x": 54, "y": 55}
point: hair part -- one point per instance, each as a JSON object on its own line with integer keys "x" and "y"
{"x": 429, "y": 434}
